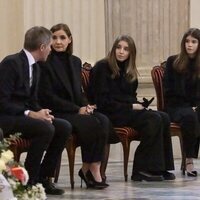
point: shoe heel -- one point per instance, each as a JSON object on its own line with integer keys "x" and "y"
{"x": 83, "y": 178}
{"x": 81, "y": 183}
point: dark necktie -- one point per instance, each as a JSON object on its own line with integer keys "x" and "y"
{"x": 34, "y": 69}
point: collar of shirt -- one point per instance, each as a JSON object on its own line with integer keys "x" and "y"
{"x": 31, "y": 60}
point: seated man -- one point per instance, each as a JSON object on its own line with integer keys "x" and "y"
{"x": 20, "y": 112}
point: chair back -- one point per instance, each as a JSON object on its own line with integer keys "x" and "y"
{"x": 85, "y": 76}
{"x": 157, "y": 76}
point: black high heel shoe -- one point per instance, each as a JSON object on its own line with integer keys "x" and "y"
{"x": 191, "y": 173}
{"x": 87, "y": 182}
{"x": 96, "y": 184}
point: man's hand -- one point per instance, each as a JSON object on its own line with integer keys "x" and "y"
{"x": 43, "y": 114}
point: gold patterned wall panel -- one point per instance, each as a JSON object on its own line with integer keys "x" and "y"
{"x": 156, "y": 26}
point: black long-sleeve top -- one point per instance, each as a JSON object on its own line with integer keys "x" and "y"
{"x": 180, "y": 89}
{"x": 114, "y": 97}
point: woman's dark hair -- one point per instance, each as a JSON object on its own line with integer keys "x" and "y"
{"x": 181, "y": 62}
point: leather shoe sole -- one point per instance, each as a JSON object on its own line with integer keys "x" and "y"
{"x": 168, "y": 176}
{"x": 145, "y": 176}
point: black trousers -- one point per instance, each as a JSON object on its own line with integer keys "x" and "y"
{"x": 190, "y": 128}
{"x": 154, "y": 153}
{"x": 44, "y": 136}
{"x": 1, "y": 134}
{"x": 92, "y": 132}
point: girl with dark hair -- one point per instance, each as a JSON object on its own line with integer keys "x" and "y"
{"x": 113, "y": 86}
{"x": 60, "y": 90}
{"x": 182, "y": 94}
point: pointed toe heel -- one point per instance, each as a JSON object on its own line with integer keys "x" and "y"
{"x": 84, "y": 178}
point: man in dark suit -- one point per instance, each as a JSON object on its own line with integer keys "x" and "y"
{"x": 20, "y": 112}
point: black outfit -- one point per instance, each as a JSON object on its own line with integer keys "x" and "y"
{"x": 114, "y": 97}
{"x": 60, "y": 90}
{"x": 16, "y": 96}
{"x": 182, "y": 92}
{"x": 1, "y": 134}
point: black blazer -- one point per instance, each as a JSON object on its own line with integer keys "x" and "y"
{"x": 16, "y": 96}
{"x": 57, "y": 91}
{"x": 114, "y": 97}
{"x": 176, "y": 86}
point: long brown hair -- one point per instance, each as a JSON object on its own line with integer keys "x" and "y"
{"x": 66, "y": 29}
{"x": 131, "y": 70}
{"x": 181, "y": 62}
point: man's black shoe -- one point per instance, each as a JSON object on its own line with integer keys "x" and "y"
{"x": 146, "y": 176}
{"x": 168, "y": 176}
{"x": 50, "y": 188}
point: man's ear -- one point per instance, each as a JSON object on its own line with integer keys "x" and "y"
{"x": 42, "y": 47}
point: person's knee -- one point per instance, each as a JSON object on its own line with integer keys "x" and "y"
{"x": 189, "y": 121}
{"x": 154, "y": 119}
{"x": 66, "y": 129}
{"x": 165, "y": 118}
{"x": 47, "y": 131}
{"x": 63, "y": 127}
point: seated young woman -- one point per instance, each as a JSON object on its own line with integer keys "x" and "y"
{"x": 60, "y": 90}
{"x": 182, "y": 94}
{"x": 113, "y": 88}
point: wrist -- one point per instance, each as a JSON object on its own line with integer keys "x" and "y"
{"x": 26, "y": 112}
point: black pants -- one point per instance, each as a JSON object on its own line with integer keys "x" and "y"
{"x": 92, "y": 132}
{"x": 44, "y": 136}
{"x": 154, "y": 153}
{"x": 190, "y": 128}
{"x": 1, "y": 134}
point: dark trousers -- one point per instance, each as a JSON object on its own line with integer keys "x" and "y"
{"x": 92, "y": 132}
{"x": 1, "y": 134}
{"x": 154, "y": 153}
{"x": 44, "y": 136}
{"x": 190, "y": 128}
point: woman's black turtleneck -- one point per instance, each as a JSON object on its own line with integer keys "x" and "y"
{"x": 122, "y": 66}
{"x": 64, "y": 60}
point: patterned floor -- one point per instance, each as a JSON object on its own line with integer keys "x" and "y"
{"x": 182, "y": 188}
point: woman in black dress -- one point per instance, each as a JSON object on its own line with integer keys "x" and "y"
{"x": 113, "y": 86}
{"x": 182, "y": 94}
{"x": 60, "y": 91}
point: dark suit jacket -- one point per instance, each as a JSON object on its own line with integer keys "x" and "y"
{"x": 58, "y": 91}
{"x": 16, "y": 96}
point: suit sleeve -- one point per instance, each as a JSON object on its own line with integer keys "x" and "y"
{"x": 48, "y": 96}
{"x": 9, "y": 78}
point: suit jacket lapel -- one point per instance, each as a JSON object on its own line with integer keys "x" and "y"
{"x": 75, "y": 81}
{"x": 61, "y": 73}
{"x": 25, "y": 73}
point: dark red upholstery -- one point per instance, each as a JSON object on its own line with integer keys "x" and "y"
{"x": 18, "y": 146}
{"x": 157, "y": 76}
